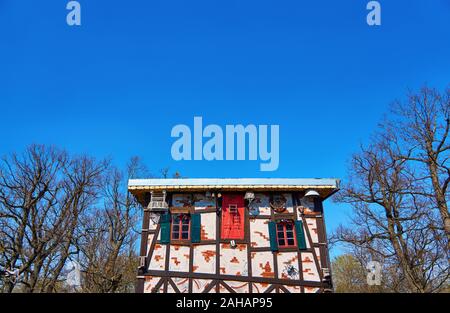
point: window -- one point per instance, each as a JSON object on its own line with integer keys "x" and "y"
{"x": 286, "y": 234}
{"x": 181, "y": 224}
{"x": 233, "y": 216}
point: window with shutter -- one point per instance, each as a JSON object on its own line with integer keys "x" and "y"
{"x": 233, "y": 213}
{"x": 164, "y": 222}
{"x": 181, "y": 224}
{"x": 301, "y": 239}
{"x": 196, "y": 227}
{"x": 286, "y": 236}
{"x": 273, "y": 236}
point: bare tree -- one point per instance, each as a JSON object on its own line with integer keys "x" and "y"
{"x": 109, "y": 261}
{"x": 41, "y": 192}
{"x": 56, "y": 208}
{"x": 81, "y": 185}
{"x": 423, "y": 124}
{"x": 31, "y": 220}
{"x": 393, "y": 218}
{"x": 398, "y": 188}
{"x": 164, "y": 172}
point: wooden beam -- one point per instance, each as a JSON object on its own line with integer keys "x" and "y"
{"x": 289, "y": 282}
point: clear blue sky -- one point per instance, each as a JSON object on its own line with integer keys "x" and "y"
{"x": 116, "y": 85}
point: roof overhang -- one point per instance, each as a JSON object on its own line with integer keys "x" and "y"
{"x": 325, "y": 186}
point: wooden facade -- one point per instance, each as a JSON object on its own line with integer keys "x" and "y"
{"x": 279, "y": 246}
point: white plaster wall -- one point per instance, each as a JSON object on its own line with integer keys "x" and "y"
{"x": 311, "y": 290}
{"x": 238, "y": 286}
{"x": 204, "y": 259}
{"x": 150, "y": 283}
{"x": 310, "y": 271}
{"x": 262, "y": 264}
{"x": 198, "y": 285}
{"x": 312, "y": 226}
{"x": 152, "y": 225}
{"x": 208, "y": 226}
{"x": 293, "y": 289}
{"x": 259, "y": 233}
{"x": 179, "y": 258}
{"x": 158, "y": 258}
{"x": 260, "y": 287}
{"x": 233, "y": 261}
{"x": 288, "y": 265}
{"x": 318, "y": 255}
{"x": 222, "y": 289}
{"x": 181, "y": 283}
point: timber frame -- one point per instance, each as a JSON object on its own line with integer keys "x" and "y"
{"x": 219, "y": 281}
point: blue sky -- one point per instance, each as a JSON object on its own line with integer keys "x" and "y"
{"x": 117, "y": 84}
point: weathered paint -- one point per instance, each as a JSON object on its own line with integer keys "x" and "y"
{"x": 293, "y": 289}
{"x": 237, "y": 286}
{"x": 181, "y": 200}
{"x": 179, "y": 258}
{"x": 158, "y": 258}
{"x": 259, "y": 238}
{"x": 262, "y": 264}
{"x": 150, "y": 283}
{"x": 182, "y": 284}
{"x": 288, "y": 265}
{"x": 208, "y": 226}
{"x": 262, "y": 202}
{"x": 204, "y": 259}
{"x": 310, "y": 271}
{"x": 260, "y": 287}
{"x": 199, "y": 285}
{"x": 201, "y": 202}
{"x": 312, "y": 227}
{"x": 233, "y": 261}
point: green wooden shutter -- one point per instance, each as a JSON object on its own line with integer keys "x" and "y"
{"x": 301, "y": 242}
{"x": 165, "y": 228}
{"x": 195, "y": 227}
{"x": 273, "y": 236}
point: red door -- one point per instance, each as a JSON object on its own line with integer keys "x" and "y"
{"x": 233, "y": 216}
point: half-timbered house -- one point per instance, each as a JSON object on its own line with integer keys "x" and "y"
{"x": 233, "y": 235}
